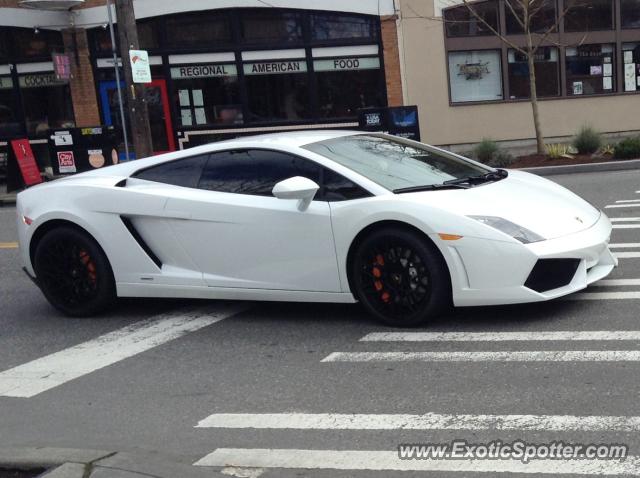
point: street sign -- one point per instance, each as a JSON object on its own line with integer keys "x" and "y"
{"x": 140, "y": 67}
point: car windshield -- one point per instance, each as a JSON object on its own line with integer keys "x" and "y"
{"x": 397, "y": 164}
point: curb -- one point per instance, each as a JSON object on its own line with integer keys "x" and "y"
{"x": 80, "y": 463}
{"x": 585, "y": 168}
{"x": 7, "y": 201}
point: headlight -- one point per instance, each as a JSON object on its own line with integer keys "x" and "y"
{"x": 519, "y": 233}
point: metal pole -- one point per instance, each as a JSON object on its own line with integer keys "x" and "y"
{"x": 115, "y": 65}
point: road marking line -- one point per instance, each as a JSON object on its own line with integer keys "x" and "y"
{"x": 40, "y": 375}
{"x": 507, "y": 356}
{"x": 499, "y": 336}
{"x": 627, "y": 201}
{"x": 627, "y": 255}
{"x": 614, "y": 206}
{"x": 624, "y": 219}
{"x": 625, "y": 245}
{"x": 8, "y": 245}
{"x": 427, "y": 421}
{"x": 626, "y": 226}
{"x": 389, "y": 461}
{"x": 604, "y": 296}
{"x": 617, "y": 282}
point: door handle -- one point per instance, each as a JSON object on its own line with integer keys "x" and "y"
{"x": 178, "y": 214}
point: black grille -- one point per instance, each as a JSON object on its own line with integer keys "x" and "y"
{"x": 549, "y": 274}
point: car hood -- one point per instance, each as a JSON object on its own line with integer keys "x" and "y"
{"x": 538, "y": 204}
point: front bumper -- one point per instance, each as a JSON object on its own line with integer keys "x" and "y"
{"x": 490, "y": 273}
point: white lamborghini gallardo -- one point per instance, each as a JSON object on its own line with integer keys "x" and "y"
{"x": 333, "y": 216}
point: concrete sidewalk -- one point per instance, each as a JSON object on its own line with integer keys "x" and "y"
{"x": 76, "y": 463}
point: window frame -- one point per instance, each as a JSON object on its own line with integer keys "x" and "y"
{"x": 463, "y": 7}
{"x": 502, "y": 82}
{"x": 320, "y": 194}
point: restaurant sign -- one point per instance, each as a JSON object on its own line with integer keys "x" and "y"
{"x": 275, "y": 67}
{"x": 40, "y": 81}
{"x": 203, "y": 71}
{"x": 346, "y": 64}
{"x": 6, "y": 83}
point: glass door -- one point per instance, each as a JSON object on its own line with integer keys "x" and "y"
{"x": 159, "y": 114}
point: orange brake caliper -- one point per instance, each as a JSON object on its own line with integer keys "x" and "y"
{"x": 377, "y": 273}
{"x": 91, "y": 267}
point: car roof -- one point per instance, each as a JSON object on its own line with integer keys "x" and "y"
{"x": 295, "y": 138}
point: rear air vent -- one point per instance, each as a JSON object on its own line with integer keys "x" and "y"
{"x": 145, "y": 247}
{"x": 549, "y": 274}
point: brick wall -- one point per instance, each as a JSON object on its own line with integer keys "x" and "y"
{"x": 83, "y": 92}
{"x": 392, "y": 60}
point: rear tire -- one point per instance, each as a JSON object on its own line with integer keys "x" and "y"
{"x": 400, "y": 278}
{"x": 74, "y": 273}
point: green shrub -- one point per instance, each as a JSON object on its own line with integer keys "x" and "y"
{"x": 557, "y": 151}
{"x": 587, "y": 141}
{"x": 486, "y": 150}
{"x": 501, "y": 159}
{"x": 628, "y": 148}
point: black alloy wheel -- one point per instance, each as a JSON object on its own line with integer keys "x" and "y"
{"x": 400, "y": 278}
{"x": 73, "y": 272}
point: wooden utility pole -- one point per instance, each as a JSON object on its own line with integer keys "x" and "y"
{"x": 136, "y": 102}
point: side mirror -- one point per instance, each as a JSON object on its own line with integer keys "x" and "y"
{"x": 302, "y": 189}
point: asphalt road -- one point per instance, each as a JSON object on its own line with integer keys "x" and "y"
{"x": 268, "y": 359}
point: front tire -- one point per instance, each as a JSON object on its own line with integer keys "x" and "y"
{"x": 73, "y": 272}
{"x": 400, "y": 278}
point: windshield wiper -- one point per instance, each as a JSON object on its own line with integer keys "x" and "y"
{"x": 429, "y": 187}
{"x": 496, "y": 175}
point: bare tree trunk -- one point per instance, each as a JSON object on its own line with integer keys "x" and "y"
{"x": 534, "y": 94}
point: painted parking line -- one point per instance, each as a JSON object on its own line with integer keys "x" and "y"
{"x": 427, "y": 421}
{"x": 580, "y": 336}
{"x": 625, "y": 245}
{"x": 368, "y": 460}
{"x": 504, "y": 356}
{"x": 627, "y": 201}
{"x": 617, "y": 283}
{"x": 8, "y": 245}
{"x": 624, "y": 219}
{"x": 626, "y": 226}
{"x": 40, "y": 375}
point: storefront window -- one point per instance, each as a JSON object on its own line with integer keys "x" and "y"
{"x": 630, "y": 13}
{"x": 9, "y": 124}
{"x": 328, "y": 26}
{"x": 46, "y": 102}
{"x": 30, "y": 44}
{"x": 267, "y": 26}
{"x": 277, "y": 90}
{"x": 589, "y": 15}
{"x": 546, "y": 69}
{"x": 207, "y": 94}
{"x": 199, "y": 30}
{"x": 461, "y": 22}
{"x": 475, "y": 76}
{"x": 346, "y": 85}
{"x": 631, "y": 60}
{"x": 544, "y": 16}
{"x": 590, "y": 70}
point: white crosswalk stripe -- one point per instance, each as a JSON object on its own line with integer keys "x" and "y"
{"x": 40, "y": 375}
{"x": 629, "y": 335}
{"x": 428, "y": 421}
{"x": 624, "y": 219}
{"x": 617, "y": 206}
{"x": 625, "y": 245}
{"x": 627, "y": 201}
{"x": 368, "y": 460}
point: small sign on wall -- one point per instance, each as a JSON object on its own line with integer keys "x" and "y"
{"x": 140, "y": 67}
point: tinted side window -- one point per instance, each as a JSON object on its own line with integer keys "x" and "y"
{"x": 339, "y": 188}
{"x": 183, "y": 172}
{"x": 254, "y": 172}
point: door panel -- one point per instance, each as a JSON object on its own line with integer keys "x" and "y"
{"x": 256, "y": 242}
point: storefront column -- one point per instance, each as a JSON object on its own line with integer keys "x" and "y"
{"x": 391, "y": 52}
{"x": 83, "y": 92}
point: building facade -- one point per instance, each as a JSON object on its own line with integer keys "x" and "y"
{"x": 229, "y": 67}
{"x": 470, "y": 85}
{"x": 240, "y": 68}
